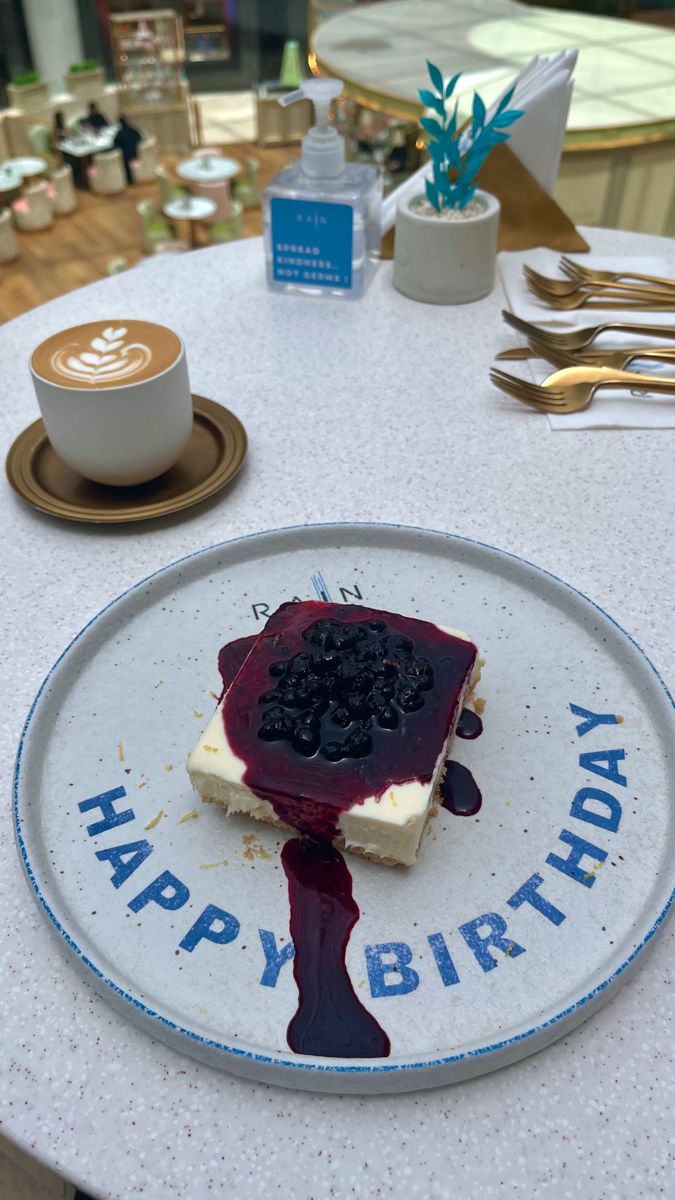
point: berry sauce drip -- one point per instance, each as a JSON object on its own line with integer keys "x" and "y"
{"x": 469, "y": 725}
{"x": 336, "y": 703}
{"x": 459, "y": 791}
{"x": 330, "y": 1020}
{"x": 231, "y": 659}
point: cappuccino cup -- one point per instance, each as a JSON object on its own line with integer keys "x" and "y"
{"x": 115, "y": 399}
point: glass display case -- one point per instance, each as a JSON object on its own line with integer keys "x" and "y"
{"x": 206, "y": 28}
{"x": 148, "y": 54}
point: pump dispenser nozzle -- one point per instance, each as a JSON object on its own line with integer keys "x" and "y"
{"x": 323, "y": 150}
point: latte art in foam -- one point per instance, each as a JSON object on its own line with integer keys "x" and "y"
{"x": 106, "y": 354}
{"x": 110, "y": 357}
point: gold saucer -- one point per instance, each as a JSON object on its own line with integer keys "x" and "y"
{"x": 212, "y": 457}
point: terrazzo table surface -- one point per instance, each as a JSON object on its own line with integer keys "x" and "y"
{"x": 92, "y": 1096}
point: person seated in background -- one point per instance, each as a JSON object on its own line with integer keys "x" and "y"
{"x": 59, "y": 133}
{"x": 94, "y": 119}
{"x": 126, "y": 140}
{"x": 58, "y": 128}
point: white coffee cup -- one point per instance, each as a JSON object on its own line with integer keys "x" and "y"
{"x": 115, "y": 399}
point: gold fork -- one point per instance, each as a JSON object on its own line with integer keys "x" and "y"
{"x": 592, "y": 357}
{"x": 653, "y": 300}
{"x": 570, "y": 287}
{"x": 575, "y": 339}
{"x": 573, "y": 388}
{"x": 576, "y": 271}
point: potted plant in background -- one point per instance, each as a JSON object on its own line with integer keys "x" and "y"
{"x": 28, "y": 93}
{"x": 85, "y": 80}
{"x": 446, "y": 238}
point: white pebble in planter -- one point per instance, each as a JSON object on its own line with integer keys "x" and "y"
{"x": 448, "y": 257}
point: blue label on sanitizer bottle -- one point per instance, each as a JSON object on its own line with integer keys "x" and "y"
{"x": 312, "y": 243}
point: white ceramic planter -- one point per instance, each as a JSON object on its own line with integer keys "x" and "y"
{"x": 85, "y": 85}
{"x": 446, "y": 262}
{"x": 31, "y": 98}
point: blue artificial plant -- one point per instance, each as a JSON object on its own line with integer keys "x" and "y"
{"x": 458, "y": 156}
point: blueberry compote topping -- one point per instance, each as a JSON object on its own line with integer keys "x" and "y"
{"x": 231, "y": 659}
{"x": 469, "y": 725}
{"x": 338, "y": 702}
{"x": 330, "y": 1019}
{"x": 460, "y": 793}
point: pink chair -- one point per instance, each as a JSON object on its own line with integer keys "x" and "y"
{"x": 217, "y": 190}
{"x": 174, "y": 246}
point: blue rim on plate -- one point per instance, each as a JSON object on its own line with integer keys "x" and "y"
{"x": 296, "y": 1063}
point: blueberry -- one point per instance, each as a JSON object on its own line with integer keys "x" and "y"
{"x": 377, "y": 626}
{"x": 327, "y": 663}
{"x": 358, "y": 704}
{"x": 387, "y": 717}
{"x": 269, "y": 698}
{"x": 308, "y": 718}
{"x": 314, "y": 684}
{"x": 277, "y": 730}
{"x": 421, "y": 674}
{"x": 408, "y": 698}
{"x": 358, "y": 744}
{"x": 347, "y": 672}
{"x": 341, "y": 716}
{"x": 333, "y": 751}
{"x": 302, "y": 663}
{"x": 303, "y": 695}
{"x": 277, "y": 669}
{"x": 306, "y": 740}
{"x": 404, "y": 644}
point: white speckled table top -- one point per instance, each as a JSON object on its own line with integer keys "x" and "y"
{"x": 374, "y": 410}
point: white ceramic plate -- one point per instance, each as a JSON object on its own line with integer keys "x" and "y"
{"x": 127, "y": 701}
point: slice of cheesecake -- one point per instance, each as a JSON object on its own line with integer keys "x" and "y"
{"x": 337, "y": 725}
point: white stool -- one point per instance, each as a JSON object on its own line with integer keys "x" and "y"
{"x": 35, "y": 208}
{"x": 143, "y": 166}
{"x": 107, "y": 176}
{"x": 64, "y": 190}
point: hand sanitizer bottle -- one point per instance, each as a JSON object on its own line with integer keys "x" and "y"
{"x": 321, "y": 215}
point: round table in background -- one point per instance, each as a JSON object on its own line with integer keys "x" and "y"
{"x": 28, "y": 165}
{"x": 192, "y": 209}
{"x": 10, "y": 180}
{"x": 85, "y": 145}
{"x": 378, "y": 409}
{"x": 208, "y": 170}
{"x": 618, "y": 168}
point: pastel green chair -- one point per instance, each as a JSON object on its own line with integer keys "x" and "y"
{"x": 168, "y": 190}
{"x": 40, "y": 139}
{"x": 228, "y": 231}
{"x": 247, "y": 189}
{"x": 154, "y": 228}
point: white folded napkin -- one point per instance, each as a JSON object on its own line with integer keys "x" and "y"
{"x": 609, "y": 408}
{"x": 537, "y": 138}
